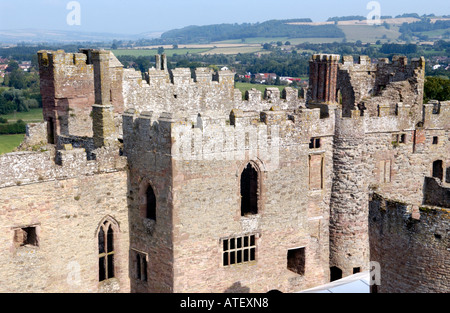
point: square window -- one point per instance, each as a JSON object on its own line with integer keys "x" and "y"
{"x": 296, "y": 261}
{"x": 25, "y": 237}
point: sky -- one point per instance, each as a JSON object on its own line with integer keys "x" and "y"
{"x": 140, "y": 16}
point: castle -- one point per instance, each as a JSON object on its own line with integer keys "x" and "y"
{"x": 173, "y": 181}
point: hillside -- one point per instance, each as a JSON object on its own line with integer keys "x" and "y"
{"x": 272, "y": 28}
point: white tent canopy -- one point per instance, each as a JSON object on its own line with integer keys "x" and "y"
{"x": 358, "y": 283}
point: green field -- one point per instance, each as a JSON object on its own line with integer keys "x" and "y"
{"x": 369, "y": 33}
{"x": 9, "y": 142}
{"x": 293, "y": 41}
{"x": 32, "y": 116}
{"x": 153, "y": 52}
{"x": 233, "y": 50}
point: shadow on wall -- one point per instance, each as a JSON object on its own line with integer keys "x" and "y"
{"x": 237, "y": 288}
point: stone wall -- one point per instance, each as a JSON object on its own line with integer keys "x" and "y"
{"x": 202, "y": 165}
{"x": 66, "y": 214}
{"x": 411, "y": 246}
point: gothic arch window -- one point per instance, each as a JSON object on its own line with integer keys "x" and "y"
{"x": 150, "y": 209}
{"x": 106, "y": 249}
{"x": 249, "y": 190}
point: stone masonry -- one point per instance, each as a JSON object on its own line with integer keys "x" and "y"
{"x": 173, "y": 181}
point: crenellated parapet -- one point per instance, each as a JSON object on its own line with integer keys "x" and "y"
{"x": 209, "y": 137}
{"x": 23, "y": 168}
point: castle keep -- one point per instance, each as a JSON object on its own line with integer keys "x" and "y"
{"x": 174, "y": 181}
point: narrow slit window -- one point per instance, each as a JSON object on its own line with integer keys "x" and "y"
{"x": 151, "y": 204}
{"x": 141, "y": 266}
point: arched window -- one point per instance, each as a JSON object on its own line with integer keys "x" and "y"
{"x": 106, "y": 251}
{"x": 249, "y": 191}
{"x": 151, "y": 204}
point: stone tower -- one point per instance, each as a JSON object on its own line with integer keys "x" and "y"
{"x": 323, "y": 80}
{"x": 348, "y": 206}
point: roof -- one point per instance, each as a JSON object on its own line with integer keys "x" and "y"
{"x": 358, "y": 283}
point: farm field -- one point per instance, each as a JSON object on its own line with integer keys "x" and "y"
{"x": 32, "y": 116}
{"x": 9, "y": 142}
{"x": 368, "y": 33}
{"x": 153, "y": 52}
{"x": 233, "y": 50}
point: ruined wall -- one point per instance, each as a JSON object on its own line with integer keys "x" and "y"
{"x": 411, "y": 245}
{"x": 69, "y": 83}
{"x": 67, "y": 88}
{"x": 367, "y": 87}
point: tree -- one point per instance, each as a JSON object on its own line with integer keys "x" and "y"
{"x": 160, "y": 50}
{"x": 437, "y": 88}
{"x": 12, "y": 66}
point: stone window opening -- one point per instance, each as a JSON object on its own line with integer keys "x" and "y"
{"x": 435, "y": 140}
{"x": 438, "y": 169}
{"x": 356, "y": 270}
{"x": 106, "y": 251}
{"x": 335, "y": 273}
{"x": 249, "y": 191}
{"x": 315, "y": 143}
{"x": 238, "y": 250}
{"x": 296, "y": 261}
{"x": 316, "y": 172}
{"x": 399, "y": 139}
{"x": 26, "y": 236}
{"x": 141, "y": 266}
{"x": 150, "y": 211}
{"x": 51, "y": 131}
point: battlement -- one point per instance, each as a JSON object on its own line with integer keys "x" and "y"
{"x": 22, "y": 168}
{"x": 208, "y": 137}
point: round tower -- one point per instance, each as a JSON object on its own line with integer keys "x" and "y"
{"x": 349, "y": 211}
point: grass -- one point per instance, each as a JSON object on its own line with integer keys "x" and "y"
{"x": 293, "y": 41}
{"x": 153, "y": 52}
{"x": 369, "y": 33}
{"x": 233, "y": 50}
{"x": 9, "y": 142}
{"x": 32, "y": 116}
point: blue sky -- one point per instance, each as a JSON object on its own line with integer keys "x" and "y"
{"x": 138, "y": 16}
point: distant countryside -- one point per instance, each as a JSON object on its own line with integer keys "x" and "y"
{"x": 274, "y": 53}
